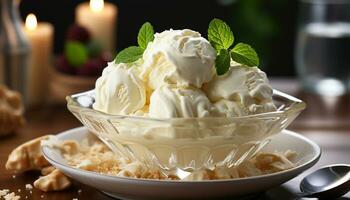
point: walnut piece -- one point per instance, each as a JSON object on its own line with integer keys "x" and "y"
{"x": 4, "y": 192}
{"x": 27, "y": 156}
{"x": 11, "y": 111}
{"x": 47, "y": 170}
{"x": 7, "y": 195}
{"x": 54, "y": 181}
{"x": 12, "y": 196}
{"x": 273, "y": 162}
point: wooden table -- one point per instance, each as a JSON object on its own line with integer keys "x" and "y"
{"x": 326, "y": 121}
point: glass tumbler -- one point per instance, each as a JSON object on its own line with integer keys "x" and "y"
{"x": 323, "y": 46}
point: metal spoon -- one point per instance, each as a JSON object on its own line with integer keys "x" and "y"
{"x": 326, "y": 183}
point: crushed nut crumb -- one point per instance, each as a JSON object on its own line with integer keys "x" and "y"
{"x": 94, "y": 155}
{"x": 12, "y": 196}
{"x": 29, "y": 186}
{"x": 3, "y": 192}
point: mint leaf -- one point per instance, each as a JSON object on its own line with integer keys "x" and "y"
{"x": 220, "y": 34}
{"x": 133, "y": 53}
{"x": 76, "y": 53}
{"x": 245, "y": 54}
{"x": 146, "y": 35}
{"x": 222, "y": 62}
{"x": 129, "y": 55}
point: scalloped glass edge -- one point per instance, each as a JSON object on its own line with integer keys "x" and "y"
{"x": 85, "y": 100}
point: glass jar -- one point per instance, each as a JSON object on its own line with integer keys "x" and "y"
{"x": 14, "y": 48}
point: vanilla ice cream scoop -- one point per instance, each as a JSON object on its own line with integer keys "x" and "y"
{"x": 169, "y": 101}
{"x": 247, "y": 86}
{"x": 227, "y": 108}
{"x": 180, "y": 57}
{"x": 119, "y": 90}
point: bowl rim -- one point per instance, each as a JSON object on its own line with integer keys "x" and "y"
{"x": 297, "y": 106}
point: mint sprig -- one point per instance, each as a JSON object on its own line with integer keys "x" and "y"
{"x": 245, "y": 54}
{"x": 133, "y": 53}
{"x": 220, "y": 34}
{"x": 221, "y": 38}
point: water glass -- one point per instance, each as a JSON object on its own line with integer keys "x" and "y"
{"x": 323, "y": 46}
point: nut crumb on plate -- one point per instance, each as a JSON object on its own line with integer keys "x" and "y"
{"x": 93, "y": 155}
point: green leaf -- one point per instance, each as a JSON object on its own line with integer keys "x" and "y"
{"x": 222, "y": 62}
{"x": 128, "y": 55}
{"x": 220, "y": 35}
{"x": 245, "y": 54}
{"x": 76, "y": 53}
{"x": 146, "y": 35}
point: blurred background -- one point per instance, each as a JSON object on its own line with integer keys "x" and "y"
{"x": 270, "y": 26}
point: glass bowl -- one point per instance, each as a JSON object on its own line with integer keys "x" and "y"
{"x": 180, "y": 145}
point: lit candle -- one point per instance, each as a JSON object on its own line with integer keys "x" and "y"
{"x": 99, "y": 18}
{"x": 40, "y": 37}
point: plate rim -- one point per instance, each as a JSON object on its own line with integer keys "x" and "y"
{"x": 306, "y": 165}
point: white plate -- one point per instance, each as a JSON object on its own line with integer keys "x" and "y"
{"x": 130, "y": 188}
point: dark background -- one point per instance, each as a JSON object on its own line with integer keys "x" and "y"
{"x": 269, "y": 26}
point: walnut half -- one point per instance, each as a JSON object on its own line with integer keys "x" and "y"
{"x": 54, "y": 181}
{"x": 27, "y": 156}
{"x": 11, "y": 110}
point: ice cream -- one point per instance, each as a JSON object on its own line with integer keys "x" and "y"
{"x": 170, "y": 101}
{"x": 242, "y": 90}
{"x": 180, "y": 57}
{"x": 176, "y": 78}
{"x": 119, "y": 90}
{"x": 227, "y": 108}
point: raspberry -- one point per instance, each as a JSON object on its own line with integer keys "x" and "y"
{"x": 78, "y": 33}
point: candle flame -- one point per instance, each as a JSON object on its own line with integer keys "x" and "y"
{"x": 96, "y": 5}
{"x": 31, "y": 22}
